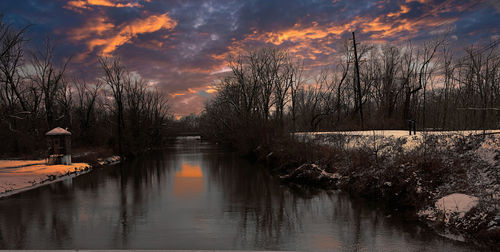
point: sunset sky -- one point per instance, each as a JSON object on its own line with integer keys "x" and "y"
{"x": 181, "y": 46}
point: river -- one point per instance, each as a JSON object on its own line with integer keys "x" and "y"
{"x": 198, "y": 196}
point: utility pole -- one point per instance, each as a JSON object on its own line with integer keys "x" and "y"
{"x": 358, "y": 85}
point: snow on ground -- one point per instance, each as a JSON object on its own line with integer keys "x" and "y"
{"x": 450, "y": 208}
{"x": 18, "y": 163}
{"x": 489, "y": 151}
{"x": 110, "y": 160}
{"x": 396, "y": 133}
{"x": 21, "y": 174}
{"x": 384, "y": 139}
{"x": 456, "y": 203}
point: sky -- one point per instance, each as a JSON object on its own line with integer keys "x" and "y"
{"x": 181, "y": 46}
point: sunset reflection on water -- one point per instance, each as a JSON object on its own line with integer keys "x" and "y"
{"x": 188, "y": 182}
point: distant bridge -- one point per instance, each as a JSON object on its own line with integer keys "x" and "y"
{"x": 188, "y": 133}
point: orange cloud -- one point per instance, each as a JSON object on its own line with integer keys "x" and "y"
{"x": 315, "y": 41}
{"x": 299, "y": 33}
{"x": 191, "y": 91}
{"x": 87, "y": 4}
{"x": 420, "y": 1}
{"x": 209, "y": 89}
{"x": 404, "y": 9}
{"x": 383, "y": 28}
{"x": 96, "y": 26}
{"x": 304, "y": 41}
{"x": 309, "y": 41}
{"x": 104, "y": 35}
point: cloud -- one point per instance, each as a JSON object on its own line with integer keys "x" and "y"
{"x": 403, "y": 10}
{"x": 495, "y": 4}
{"x": 403, "y": 29}
{"x": 299, "y": 33}
{"x": 187, "y": 104}
{"x": 305, "y": 41}
{"x": 99, "y": 33}
{"x": 76, "y": 5}
{"x": 224, "y": 69}
{"x": 98, "y": 26}
{"x": 317, "y": 41}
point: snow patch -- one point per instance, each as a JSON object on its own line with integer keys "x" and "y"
{"x": 450, "y": 207}
{"x": 23, "y": 174}
{"x": 7, "y": 164}
{"x": 489, "y": 150}
{"x": 383, "y": 139}
{"x": 456, "y": 203}
{"x": 109, "y": 161}
{"x": 313, "y": 174}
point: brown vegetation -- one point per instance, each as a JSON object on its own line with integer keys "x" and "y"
{"x": 404, "y": 181}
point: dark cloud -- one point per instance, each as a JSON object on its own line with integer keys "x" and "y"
{"x": 178, "y": 44}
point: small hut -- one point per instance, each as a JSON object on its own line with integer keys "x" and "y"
{"x": 59, "y": 144}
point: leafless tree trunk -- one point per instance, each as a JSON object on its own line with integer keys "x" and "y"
{"x": 48, "y": 78}
{"x": 116, "y": 79}
{"x": 13, "y": 100}
{"x": 86, "y": 102}
{"x": 295, "y": 86}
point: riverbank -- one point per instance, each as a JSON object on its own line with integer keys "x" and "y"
{"x": 449, "y": 180}
{"x": 21, "y": 175}
{"x": 17, "y": 176}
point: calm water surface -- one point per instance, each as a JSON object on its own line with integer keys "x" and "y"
{"x": 196, "y": 195}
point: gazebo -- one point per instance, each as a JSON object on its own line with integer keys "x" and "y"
{"x": 59, "y": 144}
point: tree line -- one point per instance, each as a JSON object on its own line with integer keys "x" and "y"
{"x": 268, "y": 92}
{"x": 117, "y": 110}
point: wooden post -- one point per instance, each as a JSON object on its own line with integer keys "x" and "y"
{"x": 358, "y": 85}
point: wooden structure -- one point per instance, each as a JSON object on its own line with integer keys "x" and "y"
{"x": 59, "y": 145}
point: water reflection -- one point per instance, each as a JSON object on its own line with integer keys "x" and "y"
{"x": 197, "y": 196}
{"x": 188, "y": 182}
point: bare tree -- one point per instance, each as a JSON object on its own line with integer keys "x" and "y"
{"x": 86, "y": 95}
{"x": 287, "y": 75}
{"x": 65, "y": 102}
{"x": 11, "y": 59}
{"x": 295, "y": 87}
{"x": 48, "y": 78}
{"x": 425, "y": 72}
{"x": 449, "y": 70}
{"x": 343, "y": 67}
{"x": 388, "y": 71}
{"x": 116, "y": 78}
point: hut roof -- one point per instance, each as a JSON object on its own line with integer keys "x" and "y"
{"x": 58, "y": 132}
